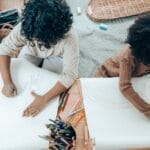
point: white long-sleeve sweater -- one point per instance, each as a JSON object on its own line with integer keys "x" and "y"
{"x": 67, "y": 48}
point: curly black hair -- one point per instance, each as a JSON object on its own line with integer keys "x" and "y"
{"x": 139, "y": 39}
{"x": 47, "y": 21}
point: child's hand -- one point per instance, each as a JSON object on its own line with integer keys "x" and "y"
{"x": 36, "y": 106}
{"x": 9, "y": 90}
{"x": 147, "y": 113}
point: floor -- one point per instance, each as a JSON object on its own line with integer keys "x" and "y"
{"x": 97, "y": 45}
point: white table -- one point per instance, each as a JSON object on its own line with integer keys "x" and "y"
{"x": 113, "y": 121}
{"x": 17, "y": 132}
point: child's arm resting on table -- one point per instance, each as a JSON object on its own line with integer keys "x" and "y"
{"x": 68, "y": 76}
{"x": 9, "y": 88}
{"x": 41, "y": 101}
{"x": 127, "y": 90}
{"x": 9, "y": 46}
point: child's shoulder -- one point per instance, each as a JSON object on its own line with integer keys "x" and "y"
{"x": 72, "y": 32}
{"x": 126, "y": 54}
{"x": 71, "y": 36}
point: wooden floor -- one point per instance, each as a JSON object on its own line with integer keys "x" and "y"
{"x": 10, "y": 4}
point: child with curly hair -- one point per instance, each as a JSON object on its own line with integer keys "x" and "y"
{"x": 47, "y": 33}
{"x": 133, "y": 61}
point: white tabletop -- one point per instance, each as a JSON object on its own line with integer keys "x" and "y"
{"x": 113, "y": 121}
{"x": 17, "y": 132}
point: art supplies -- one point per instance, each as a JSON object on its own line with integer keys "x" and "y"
{"x": 71, "y": 110}
{"x": 62, "y": 135}
{"x": 103, "y": 26}
{"x": 76, "y": 119}
{"x": 76, "y": 111}
{"x": 79, "y": 11}
{"x": 62, "y": 101}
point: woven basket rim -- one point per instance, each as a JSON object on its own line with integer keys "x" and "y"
{"x": 99, "y": 10}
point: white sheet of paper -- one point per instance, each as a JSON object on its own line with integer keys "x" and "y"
{"x": 17, "y": 132}
{"x": 113, "y": 121}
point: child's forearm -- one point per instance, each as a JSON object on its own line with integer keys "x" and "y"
{"x": 5, "y": 69}
{"x": 40, "y": 102}
{"x": 128, "y": 91}
{"x": 55, "y": 91}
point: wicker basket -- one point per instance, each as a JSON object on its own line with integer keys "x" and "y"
{"x": 99, "y": 10}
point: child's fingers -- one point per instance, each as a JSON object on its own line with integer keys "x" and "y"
{"x": 15, "y": 92}
{"x": 35, "y": 113}
{"x": 9, "y": 90}
{"x": 8, "y": 93}
{"x": 147, "y": 114}
{"x": 12, "y": 94}
{"x": 34, "y": 94}
{"x": 30, "y": 112}
{"x": 12, "y": 90}
{"x": 26, "y": 112}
